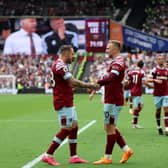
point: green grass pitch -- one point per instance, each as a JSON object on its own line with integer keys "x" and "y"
{"x": 28, "y": 123}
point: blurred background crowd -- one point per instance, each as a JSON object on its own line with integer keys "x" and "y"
{"x": 34, "y": 71}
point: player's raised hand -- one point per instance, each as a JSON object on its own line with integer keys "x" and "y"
{"x": 61, "y": 33}
{"x": 93, "y": 90}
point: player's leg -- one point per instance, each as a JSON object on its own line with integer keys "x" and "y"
{"x": 65, "y": 120}
{"x": 158, "y": 122}
{"x": 126, "y": 97}
{"x": 72, "y": 138}
{"x": 158, "y": 104}
{"x": 131, "y": 105}
{"x": 102, "y": 94}
{"x": 137, "y": 101}
{"x": 126, "y": 101}
{"x": 127, "y": 152}
{"x": 165, "y": 106}
{"x": 109, "y": 119}
{"x": 110, "y": 142}
{"x": 166, "y": 120}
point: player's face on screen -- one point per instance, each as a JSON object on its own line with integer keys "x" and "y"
{"x": 58, "y": 24}
{"x": 29, "y": 25}
{"x": 160, "y": 60}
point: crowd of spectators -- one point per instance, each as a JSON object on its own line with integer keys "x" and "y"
{"x": 157, "y": 19}
{"x": 19, "y": 7}
{"x": 57, "y": 8}
{"x": 86, "y": 7}
{"x": 30, "y": 72}
{"x": 98, "y": 68}
{"x": 35, "y": 72}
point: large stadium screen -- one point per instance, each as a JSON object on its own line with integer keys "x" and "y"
{"x": 50, "y": 31}
{"x": 84, "y": 35}
{"x": 96, "y": 35}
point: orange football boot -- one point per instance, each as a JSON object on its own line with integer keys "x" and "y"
{"x": 126, "y": 155}
{"x": 103, "y": 161}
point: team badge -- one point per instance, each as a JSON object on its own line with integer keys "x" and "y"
{"x": 115, "y": 67}
{"x": 53, "y": 42}
{"x": 65, "y": 69}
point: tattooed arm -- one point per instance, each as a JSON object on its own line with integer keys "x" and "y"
{"x": 79, "y": 83}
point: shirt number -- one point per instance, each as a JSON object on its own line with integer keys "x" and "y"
{"x": 52, "y": 79}
{"x": 135, "y": 79}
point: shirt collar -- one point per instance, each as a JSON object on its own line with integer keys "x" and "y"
{"x": 119, "y": 56}
{"x": 24, "y": 32}
{"x": 160, "y": 67}
{"x": 59, "y": 59}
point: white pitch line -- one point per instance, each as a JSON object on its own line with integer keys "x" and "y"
{"x": 38, "y": 159}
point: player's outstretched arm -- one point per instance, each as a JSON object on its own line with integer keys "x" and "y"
{"x": 107, "y": 79}
{"x": 79, "y": 83}
{"x": 147, "y": 83}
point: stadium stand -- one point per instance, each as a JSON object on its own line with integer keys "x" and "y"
{"x": 18, "y": 7}
{"x": 157, "y": 19}
{"x": 113, "y": 8}
{"x": 57, "y": 8}
{"x": 26, "y": 69}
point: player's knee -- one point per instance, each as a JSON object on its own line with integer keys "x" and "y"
{"x": 75, "y": 129}
{"x": 67, "y": 128}
{"x": 140, "y": 107}
{"x": 166, "y": 109}
{"x": 158, "y": 111}
{"x": 110, "y": 128}
{"x": 75, "y": 125}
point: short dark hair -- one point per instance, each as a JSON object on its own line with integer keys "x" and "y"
{"x": 116, "y": 43}
{"x": 65, "y": 48}
{"x": 140, "y": 64}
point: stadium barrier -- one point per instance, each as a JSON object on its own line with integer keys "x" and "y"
{"x": 49, "y": 91}
{"x": 32, "y": 90}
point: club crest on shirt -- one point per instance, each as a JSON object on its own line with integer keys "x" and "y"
{"x": 115, "y": 67}
{"x": 53, "y": 42}
{"x": 65, "y": 69}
